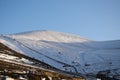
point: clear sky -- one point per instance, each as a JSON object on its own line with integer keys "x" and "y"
{"x": 93, "y": 19}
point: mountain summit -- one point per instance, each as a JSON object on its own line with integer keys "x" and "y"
{"x": 48, "y": 35}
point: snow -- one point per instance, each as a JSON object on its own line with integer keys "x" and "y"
{"x": 49, "y": 36}
{"x": 13, "y": 58}
{"x": 6, "y": 78}
{"x": 7, "y": 56}
{"x": 61, "y": 49}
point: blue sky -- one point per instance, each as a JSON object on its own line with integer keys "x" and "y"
{"x": 93, "y": 19}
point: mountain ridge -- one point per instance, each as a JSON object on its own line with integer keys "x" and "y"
{"x": 48, "y": 34}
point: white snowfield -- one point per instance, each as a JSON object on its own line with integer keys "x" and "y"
{"x": 65, "y": 51}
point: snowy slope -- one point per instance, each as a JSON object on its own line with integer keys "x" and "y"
{"x": 65, "y": 51}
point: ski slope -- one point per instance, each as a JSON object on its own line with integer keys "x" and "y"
{"x": 65, "y": 51}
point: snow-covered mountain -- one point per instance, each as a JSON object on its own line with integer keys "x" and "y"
{"x": 66, "y": 52}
